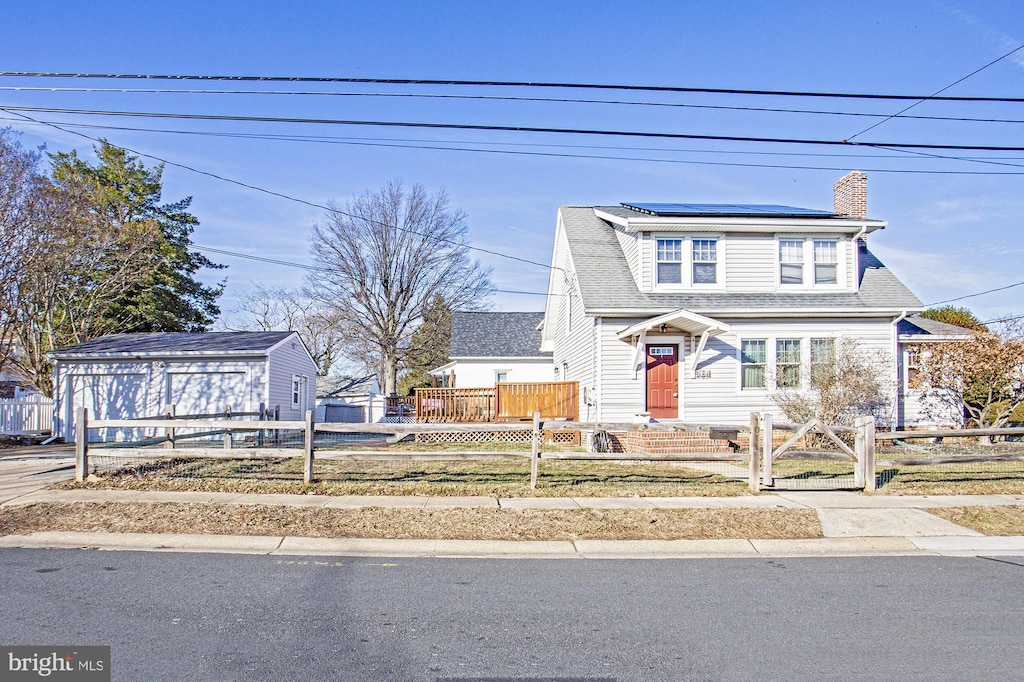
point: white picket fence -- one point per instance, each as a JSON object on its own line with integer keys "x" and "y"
{"x": 21, "y": 416}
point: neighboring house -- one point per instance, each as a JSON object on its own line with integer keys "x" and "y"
{"x": 349, "y": 399}
{"x": 127, "y": 376}
{"x": 488, "y": 348}
{"x": 699, "y": 312}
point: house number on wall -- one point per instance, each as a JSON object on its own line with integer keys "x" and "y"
{"x": 703, "y": 374}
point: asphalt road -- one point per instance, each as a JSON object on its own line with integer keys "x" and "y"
{"x": 244, "y": 617}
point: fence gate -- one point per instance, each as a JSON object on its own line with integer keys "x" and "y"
{"x": 830, "y": 464}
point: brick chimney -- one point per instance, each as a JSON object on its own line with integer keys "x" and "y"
{"x": 851, "y": 194}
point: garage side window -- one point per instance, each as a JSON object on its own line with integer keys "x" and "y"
{"x": 298, "y": 390}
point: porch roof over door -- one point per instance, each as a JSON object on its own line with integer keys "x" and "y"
{"x": 677, "y": 320}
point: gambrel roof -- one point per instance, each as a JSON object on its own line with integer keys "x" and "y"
{"x": 606, "y": 284}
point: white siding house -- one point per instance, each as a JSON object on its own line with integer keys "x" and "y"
{"x": 700, "y": 312}
{"x": 488, "y": 348}
{"x": 127, "y": 376}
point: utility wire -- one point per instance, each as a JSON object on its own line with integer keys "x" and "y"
{"x": 980, "y": 293}
{"x": 285, "y": 137}
{"x": 527, "y": 84}
{"x": 938, "y": 92}
{"x": 511, "y": 98}
{"x": 286, "y": 196}
{"x": 399, "y": 143}
{"x": 504, "y": 128}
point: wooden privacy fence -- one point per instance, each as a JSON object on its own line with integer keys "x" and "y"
{"x": 505, "y": 402}
{"x": 26, "y": 415}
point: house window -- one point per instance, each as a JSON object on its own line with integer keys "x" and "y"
{"x": 913, "y": 368}
{"x": 791, "y": 261}
{"x": 298, "y": 386}
{"x": 705, "y": 261}
{"x": 787, "y": 363}
{"x": 670, "y": 261}
{"x": 752, "y": 363}
{"x": 826, "y": 261}
{"x": 823, "y": 355}
{"x": 500, "y": 377}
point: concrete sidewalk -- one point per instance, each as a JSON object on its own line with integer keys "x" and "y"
{"x": 852, "y": 523}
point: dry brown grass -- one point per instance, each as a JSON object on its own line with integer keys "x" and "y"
{"x": 1000, "y": 520}
{"x": 376, "y": 522}
{"x": 500, "y": 477}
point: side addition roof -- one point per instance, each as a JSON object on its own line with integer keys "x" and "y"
{"x": 607, "y": 285}
{"x": 499, "y": 335}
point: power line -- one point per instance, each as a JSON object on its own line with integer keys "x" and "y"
{"x": 401, "y": 143}
{"x": 510, "y": 98}
{"x": 934, "y": 95}
{"x": 503, "y": 128}
{"x": 980, "y": 293}
{"x": 288, "y": 197}
{"x": 1004, "y": 319}
{"x": 476, "y": 83}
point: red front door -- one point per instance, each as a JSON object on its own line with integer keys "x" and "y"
{"x": 663, "y": 381}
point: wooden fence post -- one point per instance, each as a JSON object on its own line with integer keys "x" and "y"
{"x": 535, "y": 450}
{"x": 859, "y": 448}
{"x": 869, "y": 454}
{"x": 755, "y": 452}
{"x": 768, "y": 448}
{"x": 307, "y": 474}
{"x": 81, "y": 444}
{"x": 169, "y": 431}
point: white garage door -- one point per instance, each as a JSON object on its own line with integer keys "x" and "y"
{"x": 109, "y": 396}
{"x": 207, "y": 392}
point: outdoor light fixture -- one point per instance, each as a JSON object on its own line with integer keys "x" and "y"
{"x": 664, "y": 328}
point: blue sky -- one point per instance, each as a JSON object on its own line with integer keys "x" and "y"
{"x": 949, "y": 234}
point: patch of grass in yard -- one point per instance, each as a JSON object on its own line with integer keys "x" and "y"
{"x": 983, "y": 478}
{"x": 376, "y": 522}
{"x": 500, "y": 477}
{"x": 999, "y": 520}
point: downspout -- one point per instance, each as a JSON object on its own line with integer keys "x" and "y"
{"x": 894, "y": 419}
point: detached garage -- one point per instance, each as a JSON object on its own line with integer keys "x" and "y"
{"x": 128, "y": 376}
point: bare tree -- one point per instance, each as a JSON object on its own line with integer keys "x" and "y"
{"x": 281, "y": 309}
{"x": 383, "y": 258}
{"x": 846, "y": 382}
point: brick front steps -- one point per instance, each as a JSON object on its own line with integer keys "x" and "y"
{"x": 649, "y": 442}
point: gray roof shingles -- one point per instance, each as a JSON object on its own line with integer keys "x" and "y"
{"x": 500, "y": 335}
{"x": 606, "y": 283}
{"x": 175, "y": 343}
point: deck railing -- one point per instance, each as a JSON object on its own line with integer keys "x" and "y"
{"x": 504, "y": 402}
{"x": 553, "y": 399}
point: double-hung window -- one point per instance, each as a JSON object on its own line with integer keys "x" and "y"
{"x": 826, "y": 261}
{"x": 298, "y": 391}
{"x": 752, "y": 363}
{"x": 705, "y": 261}
{"x": 787, "y": 363}
{"x": 791, "y": 261}
{"x": 670, "y": 261}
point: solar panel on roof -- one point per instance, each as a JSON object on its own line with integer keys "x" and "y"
{"x": 761, "y": 210}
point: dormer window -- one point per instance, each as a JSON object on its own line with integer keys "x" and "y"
{"x": 670, "y": 261}
{"x": 791, "y": 261}
{"x": 806, "y": 262}
{"x": 826, "y": 261}
{"x": 705, "y": 261}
